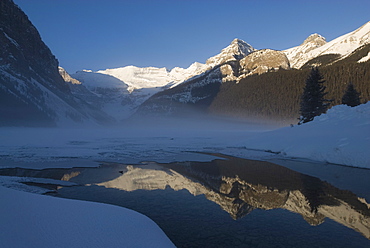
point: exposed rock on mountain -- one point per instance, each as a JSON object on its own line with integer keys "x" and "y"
{"x": 257, "y": 62}
{"x": 32, "y": 92}
{"x": 66, "y": 77}
{"x": 262, "y": 61}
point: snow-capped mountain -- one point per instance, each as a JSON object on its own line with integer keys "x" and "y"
{"x": 315, "y": 45}
{"x": 32, "y": 92}
{"x": 144, "y": 82}
{"x": 229, "y": 89}
{"x": 235, "y": 62}
{"x": 153, "y": 77}
{"x": 120, "y": 91}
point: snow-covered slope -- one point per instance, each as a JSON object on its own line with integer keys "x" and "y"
{"x": 298, "y": 55}
{"x": 93, "y": 81}
{"x": 107, "y": 92}
{"x": 31, "y": 220}
{"x": 315, "y": 46}
{"x": 340, "y": 136}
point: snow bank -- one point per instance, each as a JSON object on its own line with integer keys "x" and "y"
{"x": 341, "y": 136}
{"x": 31, "y": 220}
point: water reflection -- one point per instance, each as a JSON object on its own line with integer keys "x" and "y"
{"x": 238, "y": 186}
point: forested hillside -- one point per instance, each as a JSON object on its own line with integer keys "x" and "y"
{"x": 276, "y": 95}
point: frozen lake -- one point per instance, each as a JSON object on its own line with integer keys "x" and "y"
{"x": 230, "y": 202}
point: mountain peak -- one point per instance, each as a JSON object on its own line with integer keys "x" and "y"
{"x": 315, "y": 39}
{"x": 239, "y": 42}
{"x": 237, "y": 49}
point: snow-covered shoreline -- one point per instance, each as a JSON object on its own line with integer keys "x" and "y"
{"x": 32, "y": 220}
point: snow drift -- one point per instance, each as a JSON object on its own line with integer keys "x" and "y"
{"x": 32, "y": 220}
{"x": 341, "y": 136}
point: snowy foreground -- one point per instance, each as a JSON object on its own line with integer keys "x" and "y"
{"x": 31, "y": 220}
{"x": 341, "y": 136}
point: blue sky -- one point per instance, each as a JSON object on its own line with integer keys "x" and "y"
{"x": 100, "y": 34}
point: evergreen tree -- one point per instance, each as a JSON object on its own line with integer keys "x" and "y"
{"x": 313, "y": 102}
{"x": 351, "y": 97}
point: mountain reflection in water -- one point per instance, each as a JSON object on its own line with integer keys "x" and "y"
{"x": 238, "y": 186}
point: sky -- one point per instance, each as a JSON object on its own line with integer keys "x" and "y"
{"x": 101, "y": 34}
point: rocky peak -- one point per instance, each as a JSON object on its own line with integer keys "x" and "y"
{"x": 237, "y": 50}
{"x": 315, "y": 39}
{"x": 67, "y": 78}
{"x": 241, "y": 47}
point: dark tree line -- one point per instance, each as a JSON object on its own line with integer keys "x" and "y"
{"x": 277, "y": 95}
